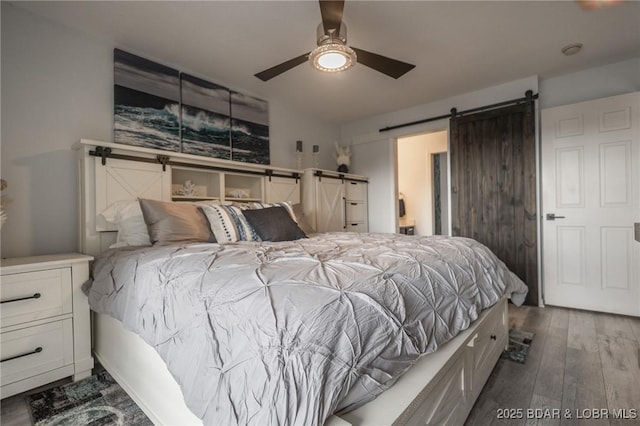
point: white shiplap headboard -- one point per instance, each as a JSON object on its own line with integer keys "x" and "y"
{"x": 127, "y": 178}
{"x": 102, "y": 185}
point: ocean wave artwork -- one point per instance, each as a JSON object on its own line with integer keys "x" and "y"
{"x": 249, "y": 129}
{"x": 250, "y": 142}
{"x": 156, "y": 106}
{"x": 205, "y": 118}
{"x": 146, "y": 103}
{"x": 155, "y": 126}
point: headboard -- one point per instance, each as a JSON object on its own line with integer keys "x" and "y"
{"x": 111, "y": 172}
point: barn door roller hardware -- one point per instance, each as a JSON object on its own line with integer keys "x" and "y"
{"x": 165, "y": 160}
{"x": 529, "y": 96}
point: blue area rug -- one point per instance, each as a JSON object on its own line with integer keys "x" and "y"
{"x": 518, "y": 348}
{"x": 95, "y": 401}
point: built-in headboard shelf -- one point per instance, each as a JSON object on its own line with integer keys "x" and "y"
{"x": 111, "y": 172}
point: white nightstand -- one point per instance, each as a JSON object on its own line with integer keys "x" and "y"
{"x": 45, "y": 324}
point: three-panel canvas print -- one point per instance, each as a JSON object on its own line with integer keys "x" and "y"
{"x": 156, "y": 106}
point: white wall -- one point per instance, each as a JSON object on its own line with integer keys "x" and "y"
{"x": 375, "y": 146}
{"x": 415, "y": 177}
{"x": 593, "y": 83}
{"x": 377, "y": 160}
{"x": 57, "y": 87}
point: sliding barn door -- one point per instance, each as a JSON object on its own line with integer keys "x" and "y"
{"x": 493, "y": 186}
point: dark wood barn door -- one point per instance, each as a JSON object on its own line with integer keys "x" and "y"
{"x": 493, "y": 186}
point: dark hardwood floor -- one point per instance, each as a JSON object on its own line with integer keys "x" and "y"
{"x": 581, "y": 367}
{"x": 578, "y": 360}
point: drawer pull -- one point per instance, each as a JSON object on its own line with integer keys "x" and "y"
{"x": 354, "y": 204}
{"x": 493, "y": 337}
{"x": 35, "y": 296}
{"x": 36, "y": 351}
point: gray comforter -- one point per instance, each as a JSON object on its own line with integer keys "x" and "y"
{"x": 291, "y": 332}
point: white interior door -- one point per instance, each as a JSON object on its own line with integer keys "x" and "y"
{"x": 591, "y": 198}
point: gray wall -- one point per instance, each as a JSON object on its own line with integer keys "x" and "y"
{"x": 57, "y": 87}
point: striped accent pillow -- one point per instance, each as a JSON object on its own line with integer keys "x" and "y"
{"x": 228, "y": 224}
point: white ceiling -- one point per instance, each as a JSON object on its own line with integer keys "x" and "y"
{"x": 456, "y": 46}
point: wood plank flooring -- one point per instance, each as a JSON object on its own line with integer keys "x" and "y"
{"x": 579, "y": 361}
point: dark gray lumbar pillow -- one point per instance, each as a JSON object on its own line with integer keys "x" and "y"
{"x": 274, "y": 224}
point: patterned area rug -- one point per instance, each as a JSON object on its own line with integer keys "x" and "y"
{"x": 518, "y": 348}
{"x": 96, "y": 401}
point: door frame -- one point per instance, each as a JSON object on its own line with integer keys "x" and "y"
{"x": 442, "y": 127}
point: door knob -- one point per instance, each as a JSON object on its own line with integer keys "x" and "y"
{"x": 552, "y": 216}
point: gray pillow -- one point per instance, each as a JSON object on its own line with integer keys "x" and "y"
{"x": 274, "y": 224}
{"x": 172, "y": 222}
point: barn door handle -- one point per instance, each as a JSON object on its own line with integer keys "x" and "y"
{"x": 344, "y": 210}
{"x": 552, "y": 216}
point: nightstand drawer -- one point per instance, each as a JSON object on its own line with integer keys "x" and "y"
{"x": 34, "y": 350}
{"x": 356, "y": 211}
{"x": 355, "y": 190}
{"x": 35, "y": 295}
{"x": 356, "y": 227}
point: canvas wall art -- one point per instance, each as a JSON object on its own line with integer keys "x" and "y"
{"x": 156, "y": 106}
{"x": 146, "y": 103}
{"x": 249, "y": 129}
{"x": 205, "y": 118}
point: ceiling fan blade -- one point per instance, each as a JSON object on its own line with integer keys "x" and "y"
{"x": 268, "y": 74}
{"x": 331, "y": 11}
{"x": 391, "y": 67}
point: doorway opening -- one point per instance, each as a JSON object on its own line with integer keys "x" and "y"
{"x": 423, "y": 184}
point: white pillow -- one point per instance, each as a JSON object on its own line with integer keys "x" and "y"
{"x": 127, "y": 216}
{"x": 228, "y": 224}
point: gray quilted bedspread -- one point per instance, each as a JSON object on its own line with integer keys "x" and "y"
{"x": 288, "y": 333}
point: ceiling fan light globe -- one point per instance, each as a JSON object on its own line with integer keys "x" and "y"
{"x": 333, "y": 57}
{"x": 332, "y": 60}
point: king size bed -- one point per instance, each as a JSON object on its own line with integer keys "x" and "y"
{"x": 335, "y": 328}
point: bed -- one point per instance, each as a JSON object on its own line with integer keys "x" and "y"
{"x": 308, "y": 331}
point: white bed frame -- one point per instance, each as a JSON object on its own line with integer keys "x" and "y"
{"x": 440, "y": 388}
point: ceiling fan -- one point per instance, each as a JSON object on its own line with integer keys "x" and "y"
{"x": 333, "y": 54}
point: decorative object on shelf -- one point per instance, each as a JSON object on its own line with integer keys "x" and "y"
{"x": 188, "y": 189}
{"x": 316, "y": 156}
{"x": 238, "y": 193}
{"x": 343, "y": 157}
{"x": 299, "y": 155}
